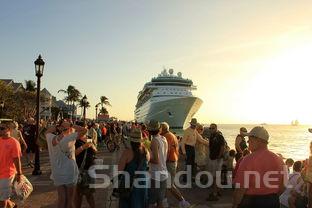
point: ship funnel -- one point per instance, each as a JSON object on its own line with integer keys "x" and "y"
{"x": 170, "y": 71}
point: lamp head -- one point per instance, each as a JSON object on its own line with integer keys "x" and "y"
{"x": 39, "y": 66}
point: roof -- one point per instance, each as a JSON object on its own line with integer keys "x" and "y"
{"x": 45, "y": 92}
{"x": 7, "y": 81}
{"x": 17, "y": 86}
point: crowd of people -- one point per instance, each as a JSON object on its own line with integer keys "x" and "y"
{"x": 259, "y": 177}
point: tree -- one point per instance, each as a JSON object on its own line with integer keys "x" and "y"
{"x": 104, "y": 101}
{"x": 19, "y": 105}
{"x": 26, "y": 101}
{"x": 73, "y": 96}
{"x": 30, "y": 85}
{"x": 84, "y": 105}
{"x": 6, "y": 96}
{"x": 103, "y": 111}
{"x": 55, "y": 111}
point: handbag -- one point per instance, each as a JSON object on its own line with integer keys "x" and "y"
{"x": 22, "y": 189}
{"x": 83, "y": 177}
{"x": 122, "y": 192}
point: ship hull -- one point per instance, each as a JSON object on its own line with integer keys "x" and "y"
{"x": 176, "y": 111}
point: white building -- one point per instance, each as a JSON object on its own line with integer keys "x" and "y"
{"x": 45, "y": 104}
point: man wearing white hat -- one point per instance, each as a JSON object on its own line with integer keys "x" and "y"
{"x": 189, "y": 139}
{"x": 261, "y": 175}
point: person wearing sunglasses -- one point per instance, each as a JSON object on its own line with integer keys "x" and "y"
{"x": 61, "y": 141}
{"x": 10, "y": 164}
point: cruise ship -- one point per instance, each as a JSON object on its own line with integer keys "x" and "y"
{"x": 168, "y": 98}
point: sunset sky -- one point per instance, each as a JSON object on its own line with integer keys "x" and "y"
{"x": 250, "y": 60}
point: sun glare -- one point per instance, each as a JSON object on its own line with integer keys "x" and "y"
{"x": 285, "y": 81}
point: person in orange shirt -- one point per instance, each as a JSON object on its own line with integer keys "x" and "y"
{"x": 104, "y": 131}
{"x": 172, "y": 162}
{"x": 10, "y": 164}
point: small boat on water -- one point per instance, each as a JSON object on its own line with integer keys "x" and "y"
{"x": 295, "y": 123}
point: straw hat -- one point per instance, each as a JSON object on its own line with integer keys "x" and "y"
{"x": 193, "y": 121}
{"x": 153, "y": 125}
{"x": 136, "y": 135}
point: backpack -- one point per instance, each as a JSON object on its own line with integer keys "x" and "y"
{"x": 217, "y": 147}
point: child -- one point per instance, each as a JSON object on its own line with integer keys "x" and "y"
{"x": 230, "y": 160}
{"x": 289, "y": 163}
{"x": 227, "y": 166}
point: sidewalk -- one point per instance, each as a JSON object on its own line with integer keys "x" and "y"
{"x": 45, "y": 195}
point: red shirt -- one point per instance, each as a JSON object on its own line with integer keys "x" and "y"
{"x": 104, "y": 131}
{"x": 9, "y": 149}
{"x": 270, "y": 170}
{"x": 236, "y": 167}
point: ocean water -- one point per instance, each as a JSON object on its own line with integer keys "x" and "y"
{"x": 290, "y": 141}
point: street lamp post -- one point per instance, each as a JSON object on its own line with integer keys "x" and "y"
{"x": 96, "y": 111}
{"x": 39, "y": 66}
{"x": 61, "y": 113}
{"x": 1, "y": 108}
{"x": 84, "y": 102}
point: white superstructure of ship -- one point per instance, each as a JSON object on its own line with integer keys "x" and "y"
{"x": 168, "y": 98}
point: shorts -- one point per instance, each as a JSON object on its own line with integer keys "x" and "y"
{"x": 172, "y": 170}
{"x": 214, "y": 166}
{"x": 157, "y": 192}
{"x": 5, "y": 188}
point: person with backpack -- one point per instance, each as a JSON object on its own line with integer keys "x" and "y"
{"x": 240, "y": 143}
{"x": 172, "y": 162}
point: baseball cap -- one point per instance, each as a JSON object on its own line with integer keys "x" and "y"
{"x": 259, "y": 132}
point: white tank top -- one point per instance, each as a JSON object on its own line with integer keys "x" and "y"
{"x": 159, "y": 171}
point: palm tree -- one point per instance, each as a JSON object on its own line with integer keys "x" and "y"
{"x": 103, "y": 111}
{"x": 73, "y": 95}
{"x": 30, "y": 85}
{"x": 81, "y": 104}
{"x": 104, "y": 101}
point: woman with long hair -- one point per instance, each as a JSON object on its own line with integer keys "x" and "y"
{"x": 135, "y": 159}
{"x": 85, "y": 155}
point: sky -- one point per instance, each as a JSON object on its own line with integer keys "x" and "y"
{"x": 250, "y": 60}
